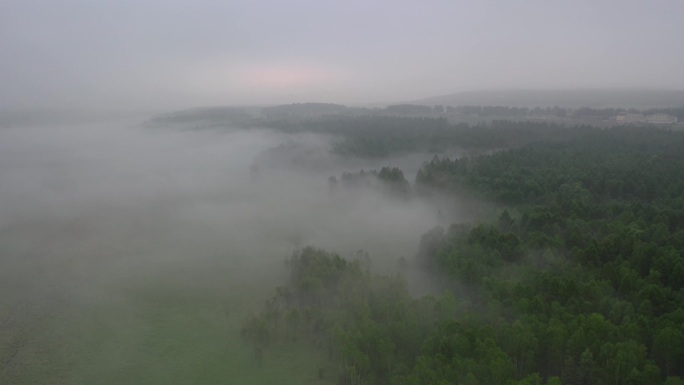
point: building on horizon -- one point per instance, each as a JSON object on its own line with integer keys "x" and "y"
{"x": 630, "y": 118}
{"x": 661, "y": 118}
{"x": 657, "y": 118}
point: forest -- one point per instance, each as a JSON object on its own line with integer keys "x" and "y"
{"x": 577, "y": 279}
{"x": 382, "y": 136}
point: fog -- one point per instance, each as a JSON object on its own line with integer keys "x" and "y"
{"x": 96, "y": 216}
{"x": 132, "y": 254}
{"x": 117, "y": 196}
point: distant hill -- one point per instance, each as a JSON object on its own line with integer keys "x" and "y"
{"x": 205, "y": 117}
{"x": 595, "y": 98}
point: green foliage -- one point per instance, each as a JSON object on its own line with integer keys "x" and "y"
{"x": 369, "y": 325}
{"x": 580, "y": 279}
{"x": 389, "y": 180}
{"x": 379, "y": 136}
{"x": 586, "y": 279}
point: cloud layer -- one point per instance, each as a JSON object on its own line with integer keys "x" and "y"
{"x": 153, "y": 55}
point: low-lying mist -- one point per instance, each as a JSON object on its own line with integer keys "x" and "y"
{"x": 90, "y": 213}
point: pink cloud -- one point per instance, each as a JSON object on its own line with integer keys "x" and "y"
{"x": 283, "y": 76}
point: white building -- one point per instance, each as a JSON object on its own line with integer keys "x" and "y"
{"x": 630, "y": 118}
{"x": 661, "y": 118}
{"x": 658, "y": 118}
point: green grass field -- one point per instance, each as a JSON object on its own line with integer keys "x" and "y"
{"x": 180, "y": 327}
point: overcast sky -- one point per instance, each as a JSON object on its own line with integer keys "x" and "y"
{"x": 167, "y": 54}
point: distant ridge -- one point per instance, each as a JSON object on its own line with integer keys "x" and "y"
{"x": 595, "y": 98}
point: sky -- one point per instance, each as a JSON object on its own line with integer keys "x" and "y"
{"x": 164, "y": 55}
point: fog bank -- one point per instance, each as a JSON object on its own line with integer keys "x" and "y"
{"x": 93, "y": 216}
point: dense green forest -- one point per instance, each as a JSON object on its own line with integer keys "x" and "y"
{"x": 408, "y": 128}
{"x": 378, "y": 136}
{"x": 579, "y": 280}
{"x": 382, "y": 136}
{"x": 405, "y": 128}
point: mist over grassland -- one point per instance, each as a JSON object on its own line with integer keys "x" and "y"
{"x": 109, "y": 229}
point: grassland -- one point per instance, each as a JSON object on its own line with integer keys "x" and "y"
{"x": 179, "y": 327}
